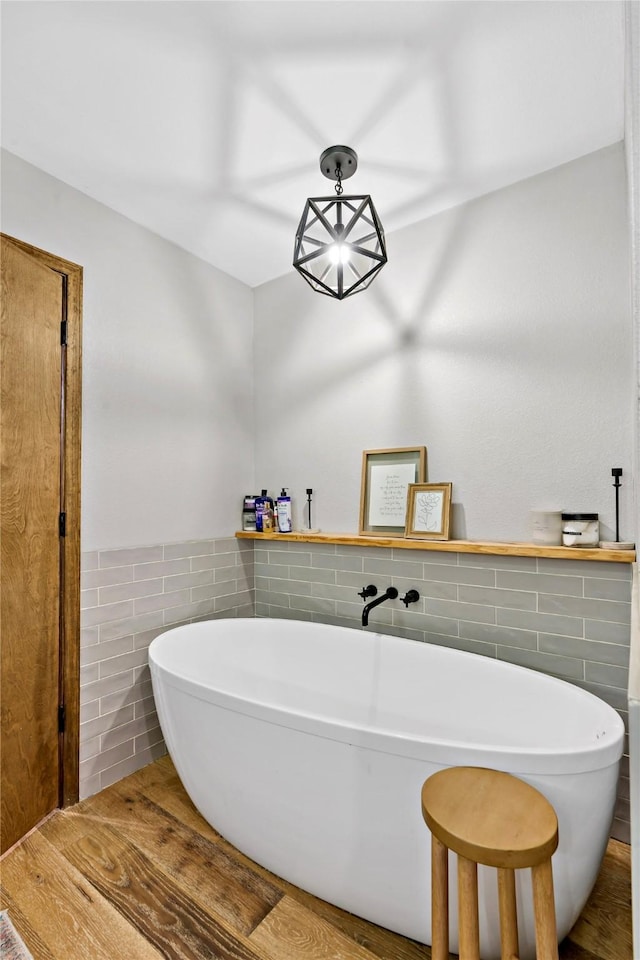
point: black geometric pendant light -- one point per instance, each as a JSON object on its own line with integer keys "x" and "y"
{"x": 339, "y": 245}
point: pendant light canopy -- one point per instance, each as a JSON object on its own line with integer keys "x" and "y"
{"x": 339, "y": 245}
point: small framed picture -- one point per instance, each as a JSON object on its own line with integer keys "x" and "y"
{"x": 386, "y": 475}
{"x": 428, "y": 511}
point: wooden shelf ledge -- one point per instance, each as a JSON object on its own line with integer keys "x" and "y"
{"x": 449, "y": 546}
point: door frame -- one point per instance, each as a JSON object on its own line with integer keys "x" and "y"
{"x": 72, "y": 276}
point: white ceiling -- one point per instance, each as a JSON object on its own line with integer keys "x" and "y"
{"x": 204, "y": 121}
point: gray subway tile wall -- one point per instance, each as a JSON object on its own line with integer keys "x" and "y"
{"x": 128, "y": 597}
{"x": 563, "y": 617}
{"x": 568, "y": 618}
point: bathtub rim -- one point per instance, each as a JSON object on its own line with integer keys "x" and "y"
{"x": 523, "y": 760}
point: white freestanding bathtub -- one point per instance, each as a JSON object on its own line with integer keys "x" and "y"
{"x": 307, "y": 745}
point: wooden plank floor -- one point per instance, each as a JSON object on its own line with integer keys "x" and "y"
{"x": 135, "y": 872}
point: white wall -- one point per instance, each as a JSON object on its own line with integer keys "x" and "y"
{"x": 499, "y": 335}
{"x": 167, "y": 370}
{"x": 632, "y": 147}
{"x": 632, "y": 156}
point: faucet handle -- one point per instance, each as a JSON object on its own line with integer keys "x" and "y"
{"x": 411, "y": 596}
{"x": 369, "y": 591}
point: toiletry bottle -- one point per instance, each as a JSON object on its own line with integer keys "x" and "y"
{"x": 249, "y": 513}
{"x": 284, "y": 512}
{"x": 259, "y": 513}
{"x": 270, "y": 514}
{"x": 264, "y": 513}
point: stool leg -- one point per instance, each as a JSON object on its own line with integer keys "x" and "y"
{"x": 508, "y": 914}
{"x": 468, "y": 926}
{"x": 439, "y": 900}
{"x": 545, "y": 912}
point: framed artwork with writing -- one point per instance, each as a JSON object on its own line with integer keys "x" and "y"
{"x": 386, "y": 476}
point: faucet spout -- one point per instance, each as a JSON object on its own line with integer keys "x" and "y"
{"x": 390, "y": 594}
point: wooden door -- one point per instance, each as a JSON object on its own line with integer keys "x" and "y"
{"x": 33, "y": 419}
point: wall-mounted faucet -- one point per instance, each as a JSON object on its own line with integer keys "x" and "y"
{"x": 411, "y": 596}
{"x": 390, "y": 594}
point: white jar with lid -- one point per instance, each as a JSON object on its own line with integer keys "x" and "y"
{"x": 580, "y": 530}
{"x": 546, "y": 527}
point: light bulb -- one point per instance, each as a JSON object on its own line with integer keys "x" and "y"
{"x": 339, "y": 253}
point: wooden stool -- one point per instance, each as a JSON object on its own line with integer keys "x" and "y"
{"x": 492, "y": 818}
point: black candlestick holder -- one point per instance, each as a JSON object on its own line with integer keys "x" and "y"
{"x": 309, "y": 528}
{"x": 617, "y": 544}
{"x": 616, "y": 473}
